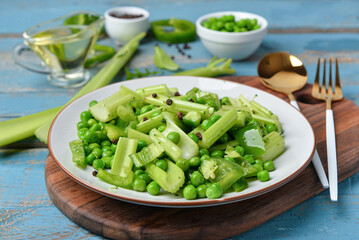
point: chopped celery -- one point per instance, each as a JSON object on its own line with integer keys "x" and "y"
{"x": 188, "y": 146}
{"x": 192, "y": 119}
{"x": 78, "y": 153}
{"x": 115, "y": 180}
{"x": 171, "y": 180}
{"x": 126, "y": 113}
{"x": 207, "y": 168}
{"x": 147, "y": 155}
{"x": 122, "y": 163}
{"x": 171, "y": 149}
{"x": 134, "y": 134}
{"x": 114, "y": 132}
{"x": 212, "y": 134}
{"x": 230, "y": 152}
{"x": 146, "y": 126}
{"x": 274, "y": 146}
{"x": 223, "y": 146}
{"x": 149, "y": 114}
{"x": 161, "y": 89}
{"x": 242, "y": 118}
{"x": 106, "y": 110}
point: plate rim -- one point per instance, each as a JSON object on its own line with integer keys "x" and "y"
{"x": 187, "y": 203}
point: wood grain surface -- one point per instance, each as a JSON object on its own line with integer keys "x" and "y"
{"x": 120, "y": 220}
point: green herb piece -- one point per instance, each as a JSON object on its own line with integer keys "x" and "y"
{"x": 162, "y": 60}
{"x": 138, "y": 74}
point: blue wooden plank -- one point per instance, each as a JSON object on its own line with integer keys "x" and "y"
{"x": 280, "y": 14}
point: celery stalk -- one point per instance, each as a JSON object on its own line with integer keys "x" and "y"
{"x": 102, "y": 78}
{"x": 171, "y": 180}
{"x": 134, "y": 134}
{"x": 146, "y": 126}
{"x": 146, "y": 155}
{"x": 212, "y": 134}
{"x": 213, "y": 69}
{"x": 122, "y": 163}
{"x": 171, "y": 149}
{"x": 20, "y": 128}
{"x": 159, "y": 89}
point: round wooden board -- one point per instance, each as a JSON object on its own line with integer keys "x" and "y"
{"x": 121, "y": 220}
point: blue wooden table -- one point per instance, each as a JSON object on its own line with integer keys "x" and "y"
{"x": 307, "y": 29}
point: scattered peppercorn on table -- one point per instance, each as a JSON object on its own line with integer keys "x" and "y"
{"x": 26, "y": 210}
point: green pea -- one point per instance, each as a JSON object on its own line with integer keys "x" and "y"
{"x": 81, "y": 133}
{"x": 204, "y": 157}
{"x": 107, "y": 161}
{"x": 113, "y": 147}
{"x": 107, "y": 153}
{"x": 224, "y": 138}
{"x": 203, "y": 151}
{"x": 141, "y": 144}
{"x": 206, "y": 24}
{"x": 230, "y": 18}
{"x": 249, "y": 158}
{"x": 98, "y": 163}
{"x": 106, "y": 148}
{"x": 214, "y": 119}
{"x": 271, "y": 128}
{"x": 139, "y": 185}
{"x": 91, "y": 122}
{"x": 153, "y": 188}
{"x": 87, "y": 149}
{"x": 101, "y": 135}
{"x": 92, "y": 146}
{"x": 194, "y": 137}
{"x": 138, "y": 172}
{"x": 145, "y": 109}
{"x": 218, "y": 153}
{"x": 205, "y": 124}
{"x": 256, "y": 27}
{"x": 197, "y": 178}
{"x": 95, "y": 127}
{"x": 241, "y": 23}
{"x": 91, "y": 137}
{"x": 214, "y": 191}
{"x": 263, "y": 176}
{"x": 145, "y": 177}
{"x": 219, "y": 25}
{"x": 258, "y": 167}
{"x": 229, "y": 26}
{"x": 85, "y": 116}
{"x": 97, "y": 152}
{"x": 90, "y": 158}
{"x": 189, "y": 192}
{"x": 184, "y": 99}
{"x": 82, "y": 125}
{"x": 162, "y": 164}
{"x": 225, "y": 101}
{"x": 174, "y": 137}
{"x": 195, "y": 162}
{"x": 201, "y": 100}
{"x": 230, "y": 159}
{"x": 260, "y": 162}
{"x": 212, "y": 103}
{"x": 138, "y": 111}
{"x": 212, "y": 20}
{"x": 183, "y": 164}
{"x": 106, "y": 143}
{"x": 201, "y": 191}
{"x": 239, "y": 150}
{"x": 162, "y": 127}
{"x": 92, "y": 103}
{"x": 269, "y": 165}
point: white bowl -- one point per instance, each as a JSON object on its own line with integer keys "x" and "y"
{"x": 122, "y": 30}
{"x": 235, "y": 45}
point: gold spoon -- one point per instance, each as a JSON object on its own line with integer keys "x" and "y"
{"x": 285, "y": 73}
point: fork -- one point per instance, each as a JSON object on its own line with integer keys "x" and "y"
{"x": 327, "y": 94}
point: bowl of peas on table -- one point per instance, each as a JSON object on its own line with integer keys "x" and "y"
{"x": 235, "y": 35}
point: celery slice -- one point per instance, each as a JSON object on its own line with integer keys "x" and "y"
{"x": 116, "y": 180}
{"x": 188, "y": 146}
{"x": 212, "y": 134}
{"x": 161, "y": 89}
{"x": 146, "y": 126}
{"x": 125, "y": 112}
{"x": 134, "y": 134}
{"x": 122, "y": 163}
{"x": 274, "y": 146}
{"x": 146, "y": 155}
{"x": 171, "y": 149}
{"x": 171, "y": 180}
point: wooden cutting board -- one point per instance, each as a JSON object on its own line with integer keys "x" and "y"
{"x": 121, "y": 220}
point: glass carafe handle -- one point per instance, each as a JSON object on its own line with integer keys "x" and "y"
{"x": 36, "y": 66}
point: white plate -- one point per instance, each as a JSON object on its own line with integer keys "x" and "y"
{"x": 298, "y": 135}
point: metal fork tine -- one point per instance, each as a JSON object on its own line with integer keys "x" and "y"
{"x": 323, "y": 89}
{"x": 316, "y": 82}
{"x": 338, "y": 89}
{"x": 330, "y": 87}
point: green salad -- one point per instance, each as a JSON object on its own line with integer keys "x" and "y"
{"x": 194, "y": 145}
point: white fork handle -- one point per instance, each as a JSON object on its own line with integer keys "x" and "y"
{"x": 318, "y": 166}
{"x": 332, "y": 156}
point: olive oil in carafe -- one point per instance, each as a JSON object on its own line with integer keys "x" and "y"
{"x": 61, "y": 48}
